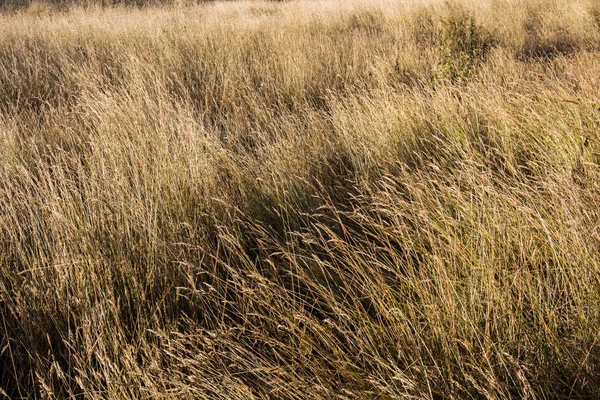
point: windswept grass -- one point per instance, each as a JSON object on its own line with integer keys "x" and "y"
{"x": 305, "y": 199}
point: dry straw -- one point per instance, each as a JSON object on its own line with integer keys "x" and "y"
{"x": 302, "y": 199}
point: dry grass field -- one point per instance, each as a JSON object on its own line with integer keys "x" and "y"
{"x": 300, "y": 200}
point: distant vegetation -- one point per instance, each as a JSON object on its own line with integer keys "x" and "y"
{"x": 62, "y": 5}
{"x": 300, "y": 200}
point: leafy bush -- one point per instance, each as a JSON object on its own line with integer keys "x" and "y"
{"x": 464, "y": 44}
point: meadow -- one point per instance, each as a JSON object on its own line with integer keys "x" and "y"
{"x": 303, "y": 199}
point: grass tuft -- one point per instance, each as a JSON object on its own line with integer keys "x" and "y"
{"x": 292, "y": 200}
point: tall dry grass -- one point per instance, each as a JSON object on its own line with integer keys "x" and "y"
{"x": 301, "y": 200}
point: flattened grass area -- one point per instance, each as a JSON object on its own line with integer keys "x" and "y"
{"x": 300, "y": 200}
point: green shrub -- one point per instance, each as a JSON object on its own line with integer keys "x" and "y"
{"x": 464, "y": 44}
